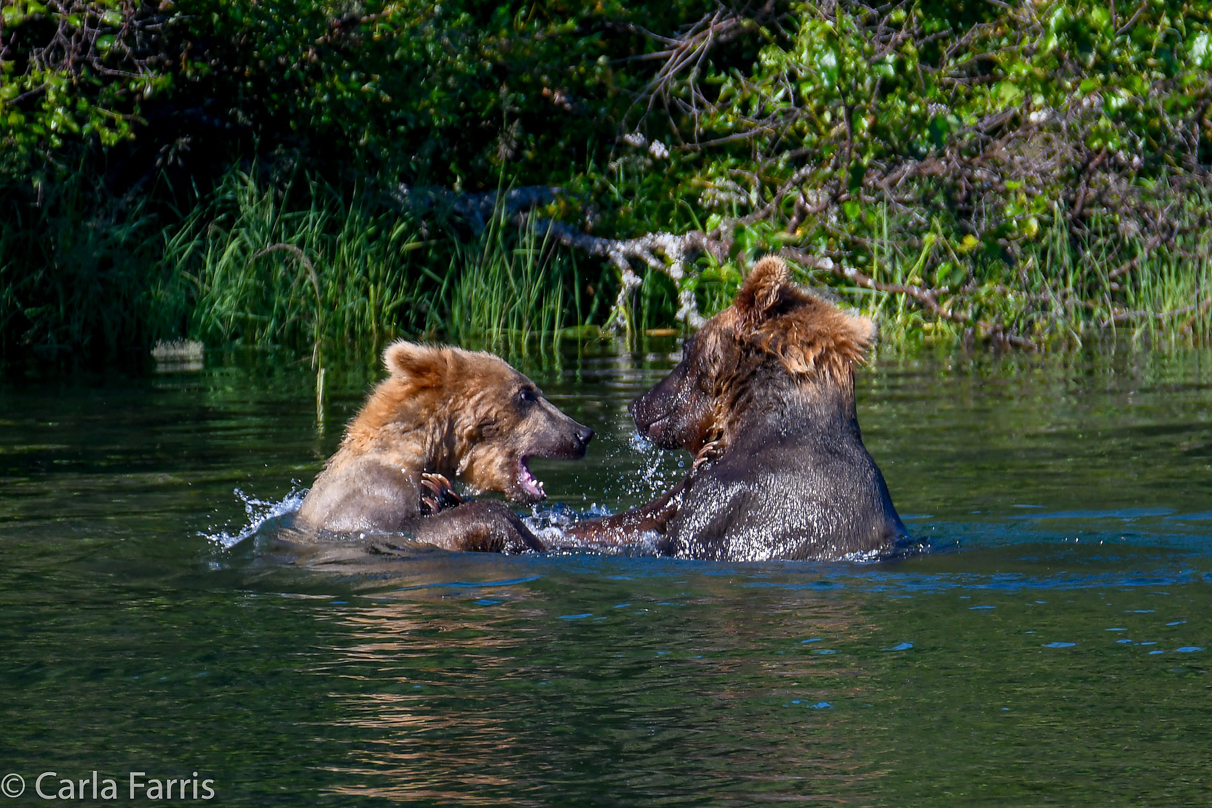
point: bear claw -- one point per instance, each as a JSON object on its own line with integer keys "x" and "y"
{"x": 710, "y": 451}
{"x": 437, "y": 494}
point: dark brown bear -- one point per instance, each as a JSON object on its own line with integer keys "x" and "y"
{"x": 442, "y": 413}
{"x": 764, "y": 398}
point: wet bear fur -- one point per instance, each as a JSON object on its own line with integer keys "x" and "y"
{"x": 764, "y": 397}
{"x": 449, "y": 412}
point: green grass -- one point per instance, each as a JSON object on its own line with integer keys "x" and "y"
{"x": 308, "y": 269}
{"x": 265, "y": 269}
{"x": 505, "y": 291}
{"x": 332, "y": 274}
{"x": 1059, "y": 291}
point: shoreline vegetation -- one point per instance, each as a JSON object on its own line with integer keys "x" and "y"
{"x": 323, "y": 177}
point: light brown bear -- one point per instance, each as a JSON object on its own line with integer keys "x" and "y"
{"x": 764, "y": 399}
{"x": 442, "y": 413}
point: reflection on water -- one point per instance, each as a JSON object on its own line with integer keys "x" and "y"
{"x": 1054, "y": 646}
{"x": 467, "y": 702}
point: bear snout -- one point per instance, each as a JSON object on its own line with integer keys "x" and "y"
{"x": 575, "y": 442}
{"x": 675, "y": 413}
{"x": 647, "y": 413}
{"x": 561, "y": 438}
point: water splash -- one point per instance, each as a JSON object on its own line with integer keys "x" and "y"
{"x": 549, "y": 523}
{"x": 259, "y": 511}
{"x": 658, "y": 471}
{"x": 653, "y": 479}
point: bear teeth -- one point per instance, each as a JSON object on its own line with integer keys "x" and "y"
{"x": 528, "y": 482}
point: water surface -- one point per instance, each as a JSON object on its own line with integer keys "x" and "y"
{"x": 1053, "y": 647}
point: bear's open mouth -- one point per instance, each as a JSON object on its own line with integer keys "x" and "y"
{"x": 528, "y": 482}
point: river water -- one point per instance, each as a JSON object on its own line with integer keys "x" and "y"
{"x": 1052, "y": 647}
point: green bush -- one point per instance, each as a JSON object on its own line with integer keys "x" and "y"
{"x": 1020, "y": 171}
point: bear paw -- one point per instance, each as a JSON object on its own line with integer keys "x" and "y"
{"x": 437, "y": 494}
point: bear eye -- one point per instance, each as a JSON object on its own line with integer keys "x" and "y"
{"x": 527, "y": 395}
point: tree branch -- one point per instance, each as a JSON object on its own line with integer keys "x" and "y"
{"x": 667, "y": 253}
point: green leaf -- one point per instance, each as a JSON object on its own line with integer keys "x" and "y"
{"x": 12, "y": 16}
{"x": 1200, "y": 50}
{"x": 1007, "y": 93}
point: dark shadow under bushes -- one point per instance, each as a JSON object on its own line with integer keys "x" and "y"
{"x": 80, "y": 274}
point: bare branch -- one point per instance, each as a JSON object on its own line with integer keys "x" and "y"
{"x": 667, "y": 253}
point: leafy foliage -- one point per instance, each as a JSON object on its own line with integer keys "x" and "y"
{"x": 1015, "y": 170}
{"x": 949, "y": 137}
{"x": 74, "y": 70}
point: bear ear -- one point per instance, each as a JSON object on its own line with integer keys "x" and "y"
{"x": 760, "y": 293}
{"x": 820, "y": 340}
{"x": 413, "y": 362}
{"x": 864, "y": 331}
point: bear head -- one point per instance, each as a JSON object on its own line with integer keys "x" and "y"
{"x": 468, "y": 414}
{"x": 774, "y": 332}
